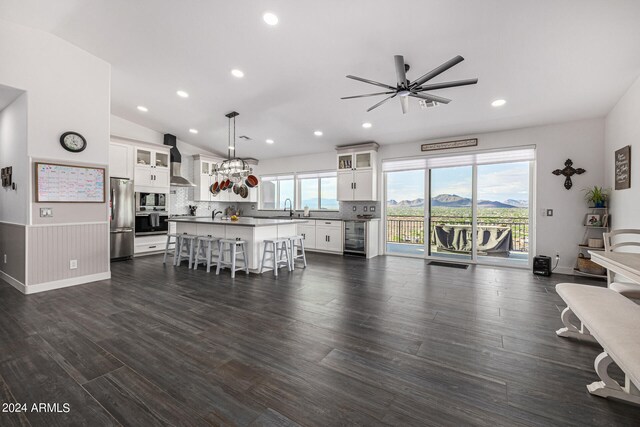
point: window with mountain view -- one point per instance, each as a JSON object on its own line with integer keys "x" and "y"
{"x": 318, "y": 191}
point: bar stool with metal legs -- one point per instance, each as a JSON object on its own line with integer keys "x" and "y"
{"x": 205, "y": 251}
{"x": 279, "y": 250}
{"x": 230, "y": 246}
{"x": 186, "y": 248}
{"x": 176, "y": 236}
{"x": 297, "y": 243}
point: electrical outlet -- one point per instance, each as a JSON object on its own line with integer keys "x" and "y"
{"x": 372, "y": 208}
{"x": 549, "y": 212}
{"x": 46, "y": 212}
{"x": 73, "y": 264}
{"x": 557, "y": 254}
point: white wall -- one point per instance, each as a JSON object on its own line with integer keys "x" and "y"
{"x": 13, "y": 152}
{"x": 127, "y": 130}
{"x": 581, "y": 141}
{"x": 622, "y": 128}
{"x": 308, "y": 163}
{"x": 67, "y": 89}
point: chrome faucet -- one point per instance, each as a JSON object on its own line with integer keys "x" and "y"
{"x": 290, "y": 207}
{"x": 215, "y": 212}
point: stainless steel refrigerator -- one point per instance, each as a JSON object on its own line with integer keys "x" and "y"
{"x": 122, "y": 205}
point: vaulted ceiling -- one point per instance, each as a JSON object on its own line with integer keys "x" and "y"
{"x": 552, "y": 61}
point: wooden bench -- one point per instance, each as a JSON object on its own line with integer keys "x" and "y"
{"x": 614, "y": 322}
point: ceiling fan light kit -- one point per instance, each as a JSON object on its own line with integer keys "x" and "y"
{"x": 406, "y": 89}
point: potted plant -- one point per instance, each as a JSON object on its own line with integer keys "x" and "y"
{"x": 597, "y": 196}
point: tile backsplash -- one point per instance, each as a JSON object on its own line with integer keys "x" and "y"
{"x": 181, "y": 197}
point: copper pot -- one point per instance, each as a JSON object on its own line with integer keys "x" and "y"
{"x": 215, "y": 187}
{"x": 236, "y": 188}
{"x": 251, "y": 181}
{"x": 244, "y": 191}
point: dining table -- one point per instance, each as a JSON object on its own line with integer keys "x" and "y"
{"x": 626, "y": 264}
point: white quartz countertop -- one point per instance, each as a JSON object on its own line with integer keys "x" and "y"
{"x": 241, "y": 222}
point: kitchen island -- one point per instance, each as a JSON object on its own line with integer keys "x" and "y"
{"x": 252, "y": 230}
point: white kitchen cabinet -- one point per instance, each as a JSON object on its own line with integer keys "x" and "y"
{"x": 329, "y": 238}
{"x": 204, "y": 177}
{"x": 120, "y": 160}
{"x": 308, "y": 232}
{"x": 149, "y": 244}
{"x": 357, "y": 172}
{"x": 322, "y": 235}
{"x": 152, "y": 170}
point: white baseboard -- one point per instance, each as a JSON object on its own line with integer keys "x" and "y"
{"x": 13, "y": 282}
{"x": 65, "y": 283}
{"x": 565, "y": 270}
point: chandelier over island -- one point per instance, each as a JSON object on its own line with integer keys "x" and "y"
{"x": 233, "y": 174}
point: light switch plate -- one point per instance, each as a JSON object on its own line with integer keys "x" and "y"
{"x": 46, "y": 212}
{"x": 73, "y": 264}
{"x": 365, "y": 208}
{"x": 355, "y": 208}
{"x": 549, "y": 212}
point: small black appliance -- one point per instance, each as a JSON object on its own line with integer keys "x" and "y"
{"x": 542, "y": 265}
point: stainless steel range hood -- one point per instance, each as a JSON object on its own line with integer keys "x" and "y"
{"x": 177, "y": 180}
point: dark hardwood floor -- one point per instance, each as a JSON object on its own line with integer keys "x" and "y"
{"x": 389, "y": 341}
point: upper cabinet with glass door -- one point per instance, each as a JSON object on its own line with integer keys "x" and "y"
{"x": 151, "y": 169}
{"x": 357, "y": 172}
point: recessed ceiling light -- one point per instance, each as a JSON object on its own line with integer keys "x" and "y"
{"x": 237, "y": 73}
{"x": 143, "y": 108}
{"x": 270, "y": 18}
{"x": 366, "y": 125}
{"x": 498, "y": 103}
{"x": 269, "y": 141}
{"x": 193, "y": 130}
{"x": 318, "y": 133}
{"x": 182, "y": 94}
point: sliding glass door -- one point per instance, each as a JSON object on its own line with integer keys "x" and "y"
{"x": 472, "y": 207}
{"x": 405, "y": 212}
{"x": 451, "y": 213}
{"x": 503, "y": 212}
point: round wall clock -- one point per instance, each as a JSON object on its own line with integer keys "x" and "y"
{"x": 73, "y": 141}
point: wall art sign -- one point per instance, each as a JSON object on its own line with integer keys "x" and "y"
{"x": 623, "y": 168}
{"x": 449, "y": 144}
{"x": 6, "y": 176}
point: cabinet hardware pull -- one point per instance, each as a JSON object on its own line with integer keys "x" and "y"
{"x": 152, "y": 247}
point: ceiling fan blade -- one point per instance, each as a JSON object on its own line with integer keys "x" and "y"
{"x": 400, "y": 71}
{"x": 446, "y": 85}
{"x": 429, "y": 97}
{"x": 438, "y": 70}
{"x": 404, "y": 102}
{"x": 381, "y": 102}
{"x": 369, "y": 94}
{"x": 371, "y": 82}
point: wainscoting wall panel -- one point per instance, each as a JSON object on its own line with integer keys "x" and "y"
{"x": 12, "y": 243}
{"x": 52, "y": 247}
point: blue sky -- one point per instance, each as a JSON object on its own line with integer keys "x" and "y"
{"x": 495, "y": 182}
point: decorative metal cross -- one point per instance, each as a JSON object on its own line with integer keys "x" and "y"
{"x": 568, "y": 172}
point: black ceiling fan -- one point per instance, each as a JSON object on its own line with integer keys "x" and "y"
{"x": 405, "y": 88}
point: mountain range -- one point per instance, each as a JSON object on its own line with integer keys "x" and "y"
{"x": 455, "y": 201}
